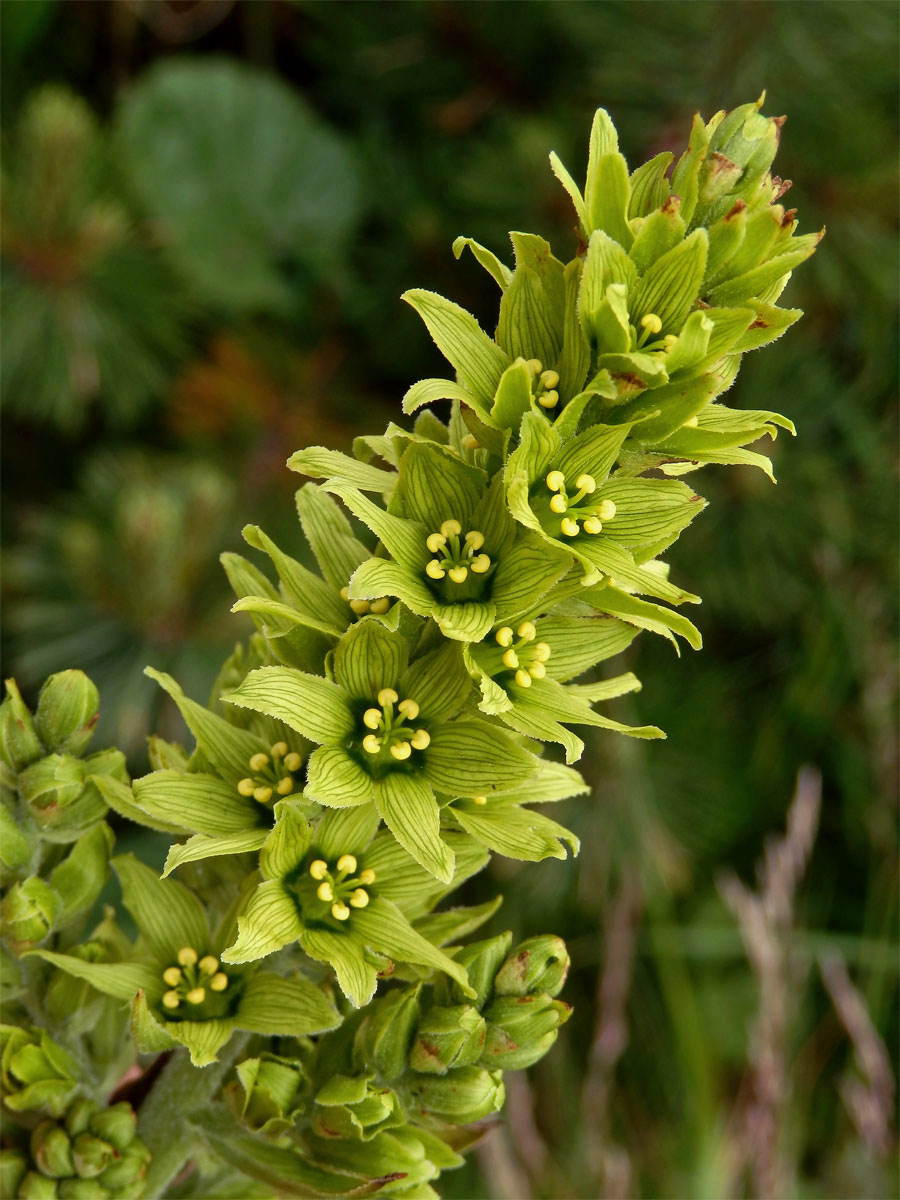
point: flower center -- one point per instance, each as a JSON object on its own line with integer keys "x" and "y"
{"x": 391, "y": 734}
{"x": 650, "y": 326}
{"x": 455, "y": 558}
{"x": 272, "y": 774}
{"x": 192, "y": 983}
{"x": 571, "y": 510}
{"x": 361, "y": 607}
{"x": 545, "y": 385}
{"x": 525, "y": 656}
{"x": 340, "y": 886}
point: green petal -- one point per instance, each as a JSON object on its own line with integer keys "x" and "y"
{"x": 227, "y": 748}
{"x": 408, "y": 807}
{"x": 321, "y": 463}
{"x": 643, "y": 615}
{"x": 438, "y": 682}
{"x": 346, "y": 831}
{"x": 513, "y": 397}
{"x": 368, "y": 658}
{"x": 455, "y": 923}
{"x": 314, "y": 706}
{"x": 120, "y": 799}
{"x": 203, "y": 1039}
{"x": 537, "y": 722}
{"x": 336, "y": 780}
{"x": 291, "y": 1007}
{"x": 167, "y": 913}
{"x": 318, "y": 602}
{"x": 355, "y": 974}
{"x": 384, "y": 928}
{"x": 287, "y": 844}
{"x": 404, "y": 540}
{"x": 499, "y": 272}
{"x": 79, "y": 878}
{"x": 579, "y": 643}
{"x": 202, "y": 846}
{"x": 478, "y": 361}
{"x": 671, "y": 285}
{"x": 593, "y": 453}
{"x": 378, "y": 577}
{"x": 527, "y": 572}
{"x": 473, "y": 758}
{"x": 269, "y": 921}
{"x": 121, "y": 980}
{"x": 426, "y": 391}
{"x": 338, "y": 551}
{"x": 552, "y": 782}
{"x": 538, "y": 445}
{"x": 515, "y": 832}
{"x": 281, "y": 617}
{"x": 647, "y": 510}
{"x": 399, "y": 878}
{"x": 468, "y": 622}
{"x": 436, "y": 485}
{"x": 148, "y": 1034}
{"x": 616, "y": 562}
{"x": 201, "y": 803}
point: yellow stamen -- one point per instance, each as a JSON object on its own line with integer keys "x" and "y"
{"x": 196, "y": 995}
{"x": 558, "y": 504}
{"x": 536, "y": 365}
{"x": 246, "y": 786}
{"x": 527, "y": 631}
{"x": 510, "y": 659}
{"x": 434, "y": 570}
{"x": 258, "y": 761}
{"x": 209, "y": 964}
{"x": 479, "y": 799}
{"x": 367, "y": 876}
{"x": 451, "y": 528}
{"x": 172, "y": 976}
{"x": 569, "y": 527}
{"x": 541, "y": 652}
{"x": 469, "y": 442}
{"x": 523, "y": 679}
{"x": 549, "y": 400}
{"x": 480, "y": 563}
{"x": 435, "y": 542}
{"x": 401, "y": 750}
{"x": 555, "y": 480}
{"x": 537, "y": 670}
{"x": 347, "y": 862}
{"x": 549, "y": 379}
{"x": 325, "y": 891}
{"x": 592, "y": 525}
{"x": 359, "y": 898}
{"x": 285, "y": 786}
{"x": 279, "y": 750}
{"x": 345, "y": 593}
{"x": 360, "y": 607}
{"x": 586, "y": 483}
{"x": 504, "y": 636}
{"x": 171, "y": 999}
{"x": 318, "y": 868}
{"x": 387, "y": 696}
{"x": 187, "y": 956}
{"x": 606, "y": 510}
{"x": 458, "y": 574}
{"x": 340, "y": 911}
{"x": 669, "y": 342}
{"x": 371, "y": 744}
{"x": 409, "y": 708}
{"x": 380, "y": 606}
{"x": 651, "y": 323}
{"x": 263, "y": 794}
{"x": 292, "y": 761}
{"x": 475, "y": 539}
{"x": 420, "y": 739}
{"x": 373, "y": 718}
{"x": 219, "y": 982}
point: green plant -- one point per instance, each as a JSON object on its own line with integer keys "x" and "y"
{"x": 497, "y": 558}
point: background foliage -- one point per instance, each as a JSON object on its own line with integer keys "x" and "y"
{"x": 207, "y": 224}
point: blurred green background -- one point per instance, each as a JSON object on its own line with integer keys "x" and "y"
{"x": 209, "y": 212}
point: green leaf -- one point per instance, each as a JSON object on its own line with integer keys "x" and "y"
{"x": 314, "y": 706}
{"x": 515, "y": 832}
{"x": 321, "y": 463}
{"x": 368, "y": 658}
{"x": 408, "y": 808}
{"x": 474, "y": 758}
{"x": 290, "y": 1007}
{"x": 336, "y": 780}
{"x": 355, "y": 974}
{"x": 245, "y": 578}
{"x": 346, "y": 831}
{"x": 478, "y": 361}
{"x": 198, "y": 802}
{"x": 287, "y": 843}
{"x": 120, "y": 980}
{"x": 501, "y": 274}
{"x": 330, "y": 535}
{"x": 269, "y": 921}
{"x": 167, "y": 914}
{"x": 754, "y": 283}
{"x": 468, "y": 622}
{"x": 203, "y": 845}
{"x": 203, "y": 1039}
{"x": 672, "y": 284}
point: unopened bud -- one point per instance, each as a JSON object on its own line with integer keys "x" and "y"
{"x": 463, "y": 1095}
{"x": 355, "y": 1108}
{"x": 481, "y": 961}
{"x": 127, "y": 1170}
{"x": 67, "y": 712}
{"x": 521, "y": 1029}
{"x": 78, "y": 1115}
{"x": 27, "y": 913}
{"x": 37, "y": 1187}
{"x": 388, "y": 1031}
{"x": 91, "y": 1154}
{"x": 539, "y": 964}
{"x": 13, "y": 1166}
{"x": 166, "y": 756}
{"x": 52, "y": 786}
{"x": 447, "y": 1037}
{"x": 271, "y": 1086}
{"x": 116, "y": 1125}
{"x": 19, "y": 743}
{"x": 52, "y": 1150}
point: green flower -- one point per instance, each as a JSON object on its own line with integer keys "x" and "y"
{"x": 181, "y": 990}
{"x": 347, "y": 896}
{"x": 391, "y": 733}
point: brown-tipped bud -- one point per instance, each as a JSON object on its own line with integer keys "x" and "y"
{"x": 67, "y": 712}
{"x": 19, "y": 742}
{"x": 126, "y": 1171}
{"x": 447, "y": 1037}
{"x": 539, "y": 964}
{"x": 388, "y": 1031}
{"x": 521, "y": 1029}
{"x": 92, "y": 1155}
{"x": 50, "y": 786}
{"x": 116, "y": 1125}
{"x": 27, "y": 913}
{"x": 481, "y": 961}
{"x": 462, "y": 1096}
{"x": 52, "y": 1150}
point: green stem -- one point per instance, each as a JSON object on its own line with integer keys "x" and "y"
{"x": 180, "y": 1090}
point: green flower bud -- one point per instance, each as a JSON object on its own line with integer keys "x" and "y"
{"x": 67, "y": 712}
{"x": 35, "y": 1072}
{"x": 17, "y": 843}
{"x": 92, "y": 1155}
{"x": 82, "y": 1189}
{"x": 115, "y": 1124}
{"x": 448, "y": 1037}
{"x": 50, "y": 786}
{"x": 482, "y": 961}
{"x": 52, "y": 1150}
{"x": 166, "y": 756}
{"x": 521, "y": 1029}
{"x": 463, "y": 1095}
{"x": 37, "y": 1187}
{"x": 13, "y": 1165}
{"x": 539, "y": 964}
{"x": 271, "y": 1086}
{"x": 352, "y": 1107}
{"x": 387, "y": 1033}
{"x": 79, "y": 1113}
{"x": 127, "y": 1170}
{"x": 27, "y": 913}
{"x": 19, "y": 743}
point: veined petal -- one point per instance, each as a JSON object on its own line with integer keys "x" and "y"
{"x": 385, "y": 929}
{"x": 286, "y": 845}
{"x": 331, "y": 538}
{"x": 342, "y": 951}
{"x": 203, "y": 1039}
{"x": 199, "y": 802}
{"x": 525, "y": 573}
{"x": 269, "y": 921}
{"x": 167, "y": 913}
{"x": 312, "y": 705}
{"x": 369, "y": 657}
{"x": 409, "y": 809}
{"x": 438, "y": 682}
{"x": 346, "y": 831}
{"x": 403, "y": 539}
{"x": 337, "y": 780}
{"x": 468, "y": 622}
{"x": 291, "y": 1007}
{"x": 473, "y": 758}
{"x": 515, "y": 832}
{"x": 435, "y": 484}
{"x": 399, "y": 877}
{"x": 120, "y": 980}
{"x": 321, "y": 463}
{"x": 378, "y": 577}
{"x": 203, "y": 845}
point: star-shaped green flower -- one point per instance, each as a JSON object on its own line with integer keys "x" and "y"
{"x": 182, "y": 992}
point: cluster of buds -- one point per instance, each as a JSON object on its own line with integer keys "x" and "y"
{"x": 572, "y": 509}
{"x": 273, "y": 774}
{"x": 89, "y": 1154}
{"x": 391, "y": 734}
{"x": 454, "y": 559}
{"x": 341, "y": 888}
{"x": 190, "y": 983}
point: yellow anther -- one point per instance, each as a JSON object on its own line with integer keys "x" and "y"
{"x": 401, "y": 750}
{"x": 360, "y": 607}
{"x": 480, "y": 563}
{"x": 219, "y": 982}
{"x": 292, "y": 761}
{"x": 469, "y": 442}
{"x": 380, "y": 606}
{"x": 458, "y": 574}
{"x": 258, "y": 761}
{"x": 536, "y": 365}
{"x": 479, "y": 799}
{"x": 549, "y": 400}
{"x": 279, "y": 750}
{"x": 387, "y": 696}
{"x": 592, "y": 525}
{"x": 651, "y": 323}
{"x": 371, "y": 744}
{"x": 359, "y": 898}
{"x": 345, "y": 593}
{"x": 367, "y": 876}
{"x": 373, "y": 718}
{"x": 187, "y": 956}
{"x": 434, "y": 570}
{"x": 669, "y": 342}
{"x": 171, "y": 999}
{"x": 285, "y": 786}
{"x": 523, "y": 679}
{"x": 172, "y": 976}
{"x": 196, "y": 995}
{"x": 586, "y": 483}
{"x": 420, "y": 739}
{"x": 340, "y": 911}
{"x": 549, "y": 379}
{"x": 246, "y": 787}
{"x": 347, "y": 862}
{"x": 504, "y": 636}
{"x": 606, "y": 510}
{"x": 527, "y": 631}
{"x": 209, "y": 964}
{"x": 692, "y": 422}
{"x": 263, "y": 794}
{"x": 541, "y": 652}
{"x": 325, "y": 891}
{"x": 555, "y": 480}
{"x": 409, "y": 708}
{"x": 537, "y": 670}
{"x": 435, "y": 542}
{"x": 559, "y": 504}
{"x": 510, "y": 659}
{"x": 451, "y": 528}
{"x": 318, "y": 868}
{"x": 475, "y": 539}
{"x": 569, "y": 527}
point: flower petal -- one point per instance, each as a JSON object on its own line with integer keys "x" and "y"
{"x": 368, "y": 658}
{"x": 167, "y": 913}
{"x": 202, "y": 845}
{"x": 355, "y": 974}
{"x": 472, "y": 757}
{"x": 409, "y": 809}
{"x": 314, "y": 706}
{"x": 336, "y": 780}
{"x": 291, "y": 1007}
{"x": 199, "y": 802}
{"x": 269, "y": 921}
